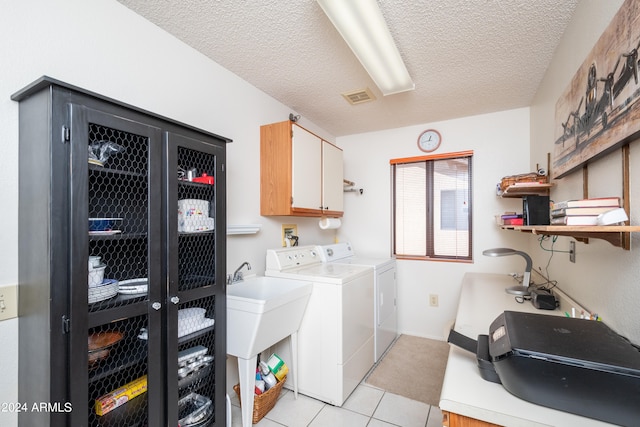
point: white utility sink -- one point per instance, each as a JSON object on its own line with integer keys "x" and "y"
{"x": 262, "y": 311}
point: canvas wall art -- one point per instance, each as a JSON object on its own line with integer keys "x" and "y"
{"x": 600, "y": 109}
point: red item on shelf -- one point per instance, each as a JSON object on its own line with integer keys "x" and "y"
{"x": 514, "y": 221}
{"x": 204, "y": 179}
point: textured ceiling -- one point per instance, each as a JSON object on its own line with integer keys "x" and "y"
{"x": 466, "y": 57}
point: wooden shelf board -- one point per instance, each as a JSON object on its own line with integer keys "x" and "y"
{"x": 575, "y": 228}
{"x": 526, "y": 189}
{"x": 614, "y": 234}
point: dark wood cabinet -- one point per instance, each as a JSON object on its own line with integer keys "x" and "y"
{"x": 105, "y": 257}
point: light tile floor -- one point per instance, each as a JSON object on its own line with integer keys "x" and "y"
{"x": 367, "y": 406}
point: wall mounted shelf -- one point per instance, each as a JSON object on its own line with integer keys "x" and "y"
{"x": 243, "y": 229}
{"x": 525, "y": 189}
{"x": 617, "y": 235}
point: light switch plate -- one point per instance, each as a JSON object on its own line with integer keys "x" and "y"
{"x": 8, "y": 302}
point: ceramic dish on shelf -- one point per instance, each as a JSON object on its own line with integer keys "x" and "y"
{"x": 108, "y": 289}
{"x": 104, "y": 224}
{"x": 194, "y": 325}
{"x": 134, "y": 286}
{"x": 197, "y": 231}
{"x": 105, "y": 233}
{"x": 192, "y": 319}
{"x": 96, "y": 275}
{"x": 100, "y": 343}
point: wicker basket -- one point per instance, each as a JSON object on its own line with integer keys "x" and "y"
{"x": 264, "y": 402}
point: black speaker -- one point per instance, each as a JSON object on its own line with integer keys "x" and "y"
{"x": 543, "y": 299}
{"x": 535, "y": 210}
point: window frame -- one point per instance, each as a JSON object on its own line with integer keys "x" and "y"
{"x": 429, "y": 188}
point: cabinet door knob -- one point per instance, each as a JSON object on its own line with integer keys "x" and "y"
{"x": 156, "y": 306}
{"x": 175, "y": 300}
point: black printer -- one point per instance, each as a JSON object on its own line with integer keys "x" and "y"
{"x": 574, "y": 365}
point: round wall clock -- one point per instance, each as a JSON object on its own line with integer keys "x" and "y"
{"x": 429, "y": 140}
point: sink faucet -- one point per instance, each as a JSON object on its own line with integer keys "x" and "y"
{"x": 237, "y": 275}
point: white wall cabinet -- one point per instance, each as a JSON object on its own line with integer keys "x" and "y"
{"x": 306, "y": 183}
{"x": 332, "y": 177}
{"x": 300, "y": 173}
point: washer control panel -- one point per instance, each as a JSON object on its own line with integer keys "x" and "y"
{"x": 286, "y": 258}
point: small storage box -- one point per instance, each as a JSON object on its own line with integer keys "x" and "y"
{"x": 574, "y": 365}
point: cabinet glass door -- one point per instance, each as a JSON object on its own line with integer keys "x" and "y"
{"x": 116, "y": 287}
{"x": 196, "y": 229}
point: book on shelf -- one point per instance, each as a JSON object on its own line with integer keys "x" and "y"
{"x": 584, "y": 211}
{"x": 585, "y": 203}
{"x": 510, "y": 215}
{"x": 513, "y": 221}
{"x": 509, "y": 218}
{"x": 575, "y": 220}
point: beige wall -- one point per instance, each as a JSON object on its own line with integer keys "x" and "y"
{"x": 604, "y": 278}
{"x": 500, "y": 142}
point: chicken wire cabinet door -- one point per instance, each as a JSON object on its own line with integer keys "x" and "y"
{"x": 196, "y": 224}
{"x": 113, "y": 298}
{"x": 116, "y": 241}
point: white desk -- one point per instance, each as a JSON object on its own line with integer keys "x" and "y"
{"x": 464, "y": 392}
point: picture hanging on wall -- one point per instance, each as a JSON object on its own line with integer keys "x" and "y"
{"x": 599, "y": 111}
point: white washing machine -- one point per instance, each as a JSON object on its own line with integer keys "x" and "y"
{"x": 335, "y": 339}
{"x": 385, "y": 294}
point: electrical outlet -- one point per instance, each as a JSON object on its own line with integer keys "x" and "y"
{"x": 433, "y": 300}
{"x": 8, "y": 302}
{"x": 289, "y": 231}
{"x": 572, "y": 251}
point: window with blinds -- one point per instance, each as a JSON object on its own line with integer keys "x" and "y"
{"x": 432, "y": 214}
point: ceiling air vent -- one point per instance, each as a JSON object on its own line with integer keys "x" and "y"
{"x": 359, "y": 96}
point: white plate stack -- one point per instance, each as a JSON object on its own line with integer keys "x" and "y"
{"x": 107, "y": 289}
{"x": 134, "y": 286}
{"x": 191, "y": 320}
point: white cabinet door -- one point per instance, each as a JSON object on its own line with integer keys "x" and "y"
{"x": 332, "y": 178}
{"x": 306, "y": 175}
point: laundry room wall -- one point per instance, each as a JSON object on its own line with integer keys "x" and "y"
{"x": 106, "y": 48}
{"x": 604, "y": 278}
{"x": 500, "y": 142}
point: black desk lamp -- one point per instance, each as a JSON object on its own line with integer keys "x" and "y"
{"x": 526, "y": 279}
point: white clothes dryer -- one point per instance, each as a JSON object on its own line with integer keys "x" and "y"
{"x": 385, "y": 296}
{"x": 335, "y": 339}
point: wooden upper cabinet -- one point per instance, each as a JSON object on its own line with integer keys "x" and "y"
{"x": 300, "y": 174}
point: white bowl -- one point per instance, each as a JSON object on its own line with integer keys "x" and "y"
{"x": 96, "y": 275}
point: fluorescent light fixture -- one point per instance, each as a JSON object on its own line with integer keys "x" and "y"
{"x": 362, "y": 26}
